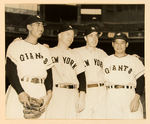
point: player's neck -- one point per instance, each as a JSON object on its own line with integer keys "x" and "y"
{"x": 62, "y": 46}
{"x": 31, "y": 40}
{"x": 120, "y": 55}
{"x": 90, "y": 48}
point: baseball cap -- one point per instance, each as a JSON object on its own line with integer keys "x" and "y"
{"x": 34, "y": 18}
{"x": 65, "y": 27}
{"x": 90, "y": 29}
{"x": 120, "y": 35}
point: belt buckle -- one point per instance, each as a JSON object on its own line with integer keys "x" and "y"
{"x": 118, "y": 86}
{"x": 69, "y": 86}
{"x": 35, "y": 80}
{"x": 61, "y": 86}
{"x": 107, "y": 87}
{"x": 92, "y": 85}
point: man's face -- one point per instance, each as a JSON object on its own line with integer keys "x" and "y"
{"x": 67, "y": 37}
{"x": 120, "y": 45}
{"x": 36, "y": 29}
{"x": 92, "y": 39}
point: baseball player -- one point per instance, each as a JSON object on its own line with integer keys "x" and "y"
{"x": 69, "y": 84}
{"x": 124, "y": 78}
{"x": 93, "y": 60}
{"x": 28, "y": 69}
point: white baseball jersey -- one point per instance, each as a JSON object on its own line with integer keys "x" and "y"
{"x": 122, "y": 71}
{"x": 95, "y": 96}
{"x": 67, "y": 67}
{"x": 32, "y": 61}
{"x": 93, "y": 61}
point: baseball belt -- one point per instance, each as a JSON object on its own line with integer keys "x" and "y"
{"x": 32, "y": 80}
{"x": 68, "y": 86}
{"x": 120, "y": 86}
{"x": 95, "y": 85}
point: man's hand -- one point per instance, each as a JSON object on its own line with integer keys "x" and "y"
{"x": 46, "y": 99}
{"x": 33, "y": 111}
{"x": 80, "y": 105}
{"x": 24, "y": 98}
{"x": 134, "y": 105}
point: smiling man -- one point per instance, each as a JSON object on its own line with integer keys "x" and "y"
{"x": 28, "y": 69}
{"x": 69, "y": 78}
{"x": 93, "y": 60}
{"x": 124, "y": 78}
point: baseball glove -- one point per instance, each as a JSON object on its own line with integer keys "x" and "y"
{"x": 33, "y": 111}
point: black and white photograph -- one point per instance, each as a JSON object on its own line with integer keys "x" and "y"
{"x": 75, "y": 61}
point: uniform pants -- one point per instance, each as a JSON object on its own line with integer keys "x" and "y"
{"x": 118, "y": 104}
{"x": 14, "y": 109}
{"x": 95, "y": 104}
{"x": 62, "y": 104}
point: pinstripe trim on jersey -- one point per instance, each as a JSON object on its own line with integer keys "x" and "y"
{"x": 139, "y": 74}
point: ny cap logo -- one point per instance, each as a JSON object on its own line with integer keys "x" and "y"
{"x": 38, "y": 16}
{"x": 93, "y": 28}
{"x": 118, "y": 34}
{"x": 70, "y": 26}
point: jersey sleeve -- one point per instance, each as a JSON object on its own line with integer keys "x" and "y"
{"x": 139, "y": 68}
{"x": 12, "y": 52}
{"x": 11, "y": 73}
{"x": 12, "y": 57}
{"x": 80, "y": 63}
